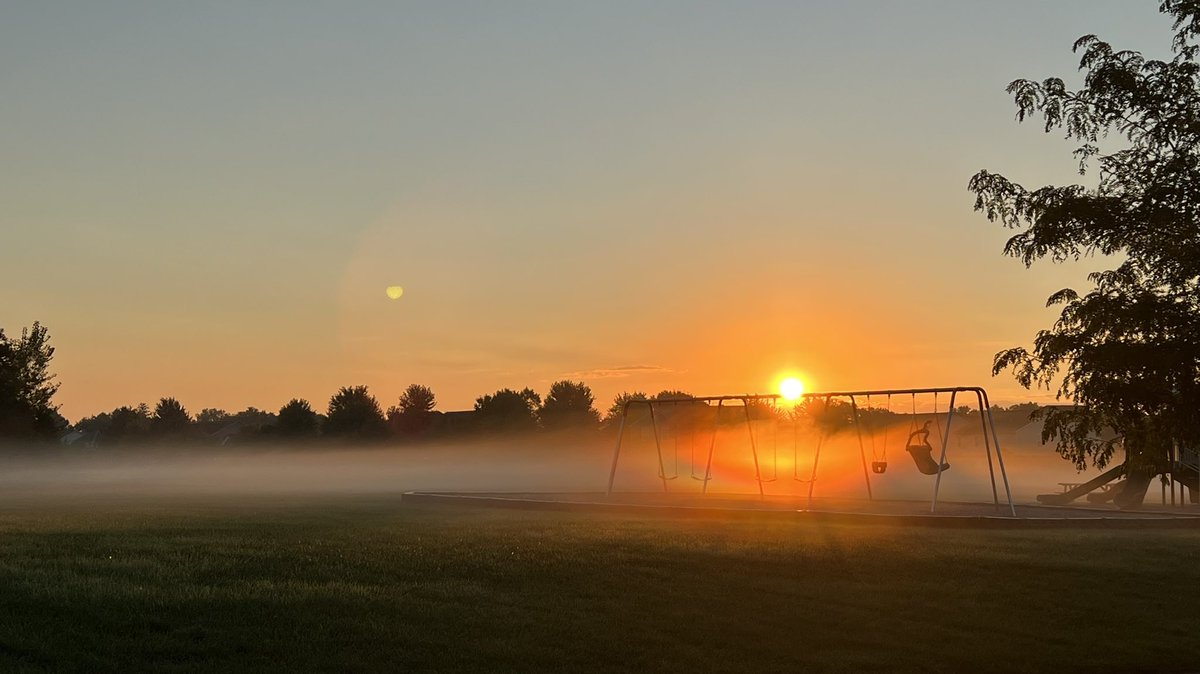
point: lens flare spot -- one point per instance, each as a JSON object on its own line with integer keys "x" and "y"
{"x": 394, "y": 292}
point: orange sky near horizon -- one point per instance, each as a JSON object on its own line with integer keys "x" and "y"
{"x": 208, "y": 202}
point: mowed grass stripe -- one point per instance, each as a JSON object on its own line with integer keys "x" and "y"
{"x": 362, "y": 584}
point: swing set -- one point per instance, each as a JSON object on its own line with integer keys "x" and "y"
{"x": 761, "y": 416}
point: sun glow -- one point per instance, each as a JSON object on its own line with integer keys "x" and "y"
{"x": 791, "y": 389}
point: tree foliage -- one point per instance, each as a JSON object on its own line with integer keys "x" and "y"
{"x": 1127, "y": 351}
{"x": 130, "y": 423}
{"x": 170, "y": 418}
{"x": 414, "y": 411}
{"x": 297, "y": 419}
{"x": 354, "y": 412}
{"x": 27, "y": 386}
{"x": 671, "y": 394}
{"x": 569, "y": 405}
{"x": 210, "y": 420}
{"x": 507, "y": 409}
{"x": 617, "y": 408}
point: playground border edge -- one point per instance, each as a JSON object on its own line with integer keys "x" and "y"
{"x": 526, "y": 502}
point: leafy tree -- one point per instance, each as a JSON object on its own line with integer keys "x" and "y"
{"x": 297, "y": 419}
{"x": 828, "y": 416}
{"x": 253, "y": 423}
{"x": 1025, "y": 410}
{"x": 252, "y": 416}
{"x": 569, "y": 405}
{"x": 354, "y": 412}
{"x": 170, "y": 418}
{"x": 686, "y": 416}
{"x": 669, "y": 394}
{"x": 27, "y": 387}
{"x": 97, "y": 424}
{"x": 210, "y": 420}
{"x": 211, "y": 415}
{"x": 1127, "y": 351}
{"x": 129, "y": 423}
{"x": 507, "y": 409}
{"x": 414, "y": 413}
{"x": 618, "y": 406}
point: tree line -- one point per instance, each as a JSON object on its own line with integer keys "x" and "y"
{"x": 353, "y": 413}
{"x": 28, "y": 411}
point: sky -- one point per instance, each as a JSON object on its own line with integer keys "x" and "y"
{"x": 208, "y": 200}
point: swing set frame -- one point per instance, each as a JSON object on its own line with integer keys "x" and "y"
{"x": 980, "y": 396}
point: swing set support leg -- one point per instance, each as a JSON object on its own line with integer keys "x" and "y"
{"x": 987, "y": 448}
{"x": 812, "y": 479}
{"x": 999, "y": 455}
{"x": 662, "y": 472}
{"x": 612, "y": 472}
{"x": 753, "y": 450}
{"x": 862, "y": 452}
{"x": 937, "y": 484}
{"x": 712, "y": 446}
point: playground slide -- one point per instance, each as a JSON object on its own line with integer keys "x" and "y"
{"x": 1091, "y": 485}
{"x": 1131, "y": 492}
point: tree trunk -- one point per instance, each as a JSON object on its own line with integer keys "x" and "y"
{"x": 1132, "y": 491}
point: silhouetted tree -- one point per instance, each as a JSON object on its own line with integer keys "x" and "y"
{"x": 210, "y": 420}
{"x": 123, "y": 424}
{"x": 297, "y": 419}
{"x": 27, "y": 387}
{"x": 170, "y": 418}
{"x": 680, "y": 412}
{"x": 569, "y": 405}
{"x": 354, "y": 412}
{"x": 96, "y": 425}
{"x": 507, "y": 409}
{"x": 613, "y": 416}
{"x": 252, "y": 416}
{"x": 1127, "y": 351}
{"x": 414, "y": 413}
{"x": 827, "y": 416}
{"x": 249, "y": 425}
{"x": 129, "y": 424}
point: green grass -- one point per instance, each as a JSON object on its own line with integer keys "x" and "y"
{"x": 364, "y": 584}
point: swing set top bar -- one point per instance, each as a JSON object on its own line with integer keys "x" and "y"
{"x": 898, "y": 391}
{"x": 815, "y": 395}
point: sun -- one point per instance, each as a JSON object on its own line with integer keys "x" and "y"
{"x": 395, "y": 292}
{"x": 791, "y": 389}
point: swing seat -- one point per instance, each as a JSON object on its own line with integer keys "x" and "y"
{"x": 879, "y": 467}
{"x": 923, "y": 456}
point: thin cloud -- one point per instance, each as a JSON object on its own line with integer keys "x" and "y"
{"x": 617, "y": 372}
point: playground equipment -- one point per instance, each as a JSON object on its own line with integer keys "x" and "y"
{"x": 1127, "y": 488}
{"x": 879, "y": 458}
{"x": 766, "y": 406}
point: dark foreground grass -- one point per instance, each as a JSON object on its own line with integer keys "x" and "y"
{"x": 363, "y": 584}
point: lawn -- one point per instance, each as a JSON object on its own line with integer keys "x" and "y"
{"x": 364, "y": 584}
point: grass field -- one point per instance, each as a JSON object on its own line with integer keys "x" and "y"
{"x": 361, "y": 583}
